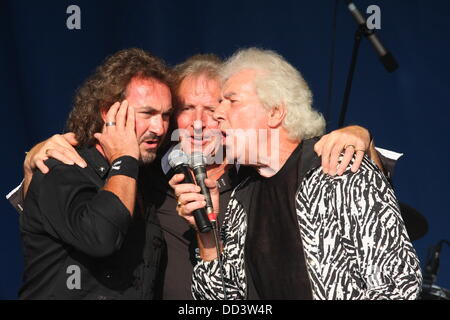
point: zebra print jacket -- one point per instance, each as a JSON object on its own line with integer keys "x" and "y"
{"x": 354, "y": 239}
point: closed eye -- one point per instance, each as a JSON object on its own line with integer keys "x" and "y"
{"x": 210, "y": 108}
{"x": 187, "y": 108}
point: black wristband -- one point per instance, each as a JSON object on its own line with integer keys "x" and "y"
{"x": 125, "y": 166}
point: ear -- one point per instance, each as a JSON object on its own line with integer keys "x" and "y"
{"x": 103, "y": 113}
{"x": 276, "y": 116}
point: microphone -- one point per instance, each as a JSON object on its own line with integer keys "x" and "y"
{"x": 386, "y": 58}
{"x": 197, "y": 165}
{"x": 178, "y": 161}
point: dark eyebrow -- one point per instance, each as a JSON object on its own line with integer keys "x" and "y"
{"x": 229, "y": 95}
{"x": 153, "y": 110}
{"x": 147, "y": 109}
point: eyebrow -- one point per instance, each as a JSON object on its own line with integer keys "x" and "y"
{"x": 146, "y": 108}
{"x": 229, "y": 95}
{"x": 186, "y": 105}
{"x": 194, "y": 106}
{"x": 153, "y": 109}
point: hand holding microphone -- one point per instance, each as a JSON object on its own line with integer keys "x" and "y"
{"x": 192, "y": 203}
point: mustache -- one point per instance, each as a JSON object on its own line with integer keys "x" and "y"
{"x": 150, "y": 136}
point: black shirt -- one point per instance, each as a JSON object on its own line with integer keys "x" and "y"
{"x": 179, "y": 259}
{"x": 275, "y": 247}
{"x": 80, "y": 242}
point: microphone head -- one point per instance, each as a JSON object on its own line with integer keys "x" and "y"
{"x": 389, "y": 62}
{"x": 177, "y": 157}
{"x": 197, "y": 159}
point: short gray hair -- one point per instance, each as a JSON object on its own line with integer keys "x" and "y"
{"x": 279, "y": 83}
{"x": 198, "y": 65}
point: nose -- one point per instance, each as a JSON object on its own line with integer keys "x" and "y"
{"x": 157, "y": 125}
{"x": 219, "y": 112}
{"x": 199, "y": 114}
{"x": 204, "y": 116}
{"x": 198, "y": 126}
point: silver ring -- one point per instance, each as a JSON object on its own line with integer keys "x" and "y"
{"x": 110, "y": 124}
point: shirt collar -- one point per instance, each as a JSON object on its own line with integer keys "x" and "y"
{"x": 96, "y": 160}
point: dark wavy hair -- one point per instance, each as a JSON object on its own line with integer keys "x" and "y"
{"x": 108, "y": 85}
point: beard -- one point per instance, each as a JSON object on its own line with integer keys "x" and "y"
{"x": 147, "y": 157}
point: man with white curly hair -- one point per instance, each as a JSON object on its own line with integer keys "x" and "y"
{"x": 291, "y": 231}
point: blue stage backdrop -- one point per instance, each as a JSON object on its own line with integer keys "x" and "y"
{"x": 42, "y": 63}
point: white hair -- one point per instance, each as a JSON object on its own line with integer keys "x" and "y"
{"x": 279, "y": 83}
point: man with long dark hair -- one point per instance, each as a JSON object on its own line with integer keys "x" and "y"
{"x": 87, "y": 231}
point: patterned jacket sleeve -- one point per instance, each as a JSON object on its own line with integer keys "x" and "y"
{"x": 386, "y": 258}
{"x": 207, "y": 281}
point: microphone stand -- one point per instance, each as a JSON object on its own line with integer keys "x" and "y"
{"x": 348, "y": 87}
{"x": 386, "y": 58}
{"x": 430, "y": 291}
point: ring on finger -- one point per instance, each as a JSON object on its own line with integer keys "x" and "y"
{"x": 110, "y": 123}
{"x": 364, "y": 151}
{"x": 349, "y": 145}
